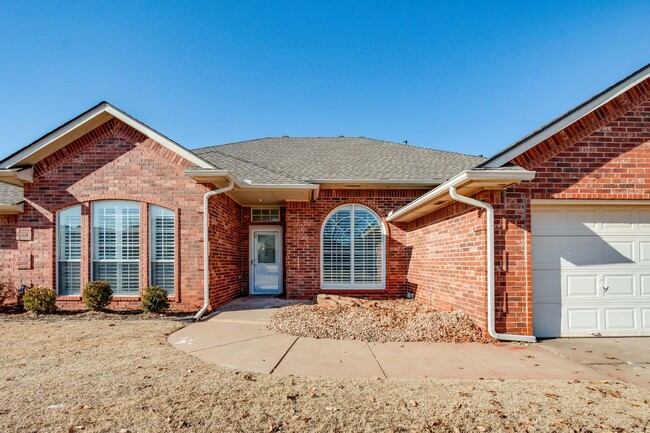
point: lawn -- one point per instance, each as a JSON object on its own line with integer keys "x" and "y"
{"x": 114, "y": 375}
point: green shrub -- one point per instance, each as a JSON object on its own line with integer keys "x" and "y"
{"x": 97, "y": 295}
{"x": 154, "y": 299}
{"x": 39, "y": 300}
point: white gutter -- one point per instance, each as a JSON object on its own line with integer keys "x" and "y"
{"x": 490, "y": 267}
{"x": 17, "y": 176}
{"x": 11, "y": 209}
{"x": 505, "y": 175}
{"x": 206, "y": 247}
{"x": 379, "y": 181}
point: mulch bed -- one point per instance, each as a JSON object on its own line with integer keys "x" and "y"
{"x": 19, "y": 315}
{"x": 394, "y": 320}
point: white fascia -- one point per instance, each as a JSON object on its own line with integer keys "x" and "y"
{"x": 17, "y": 176}
{"x": 497, "y": 175}
{"x": 562, "y": 122}
{"x": 118, "y": 114}
{"x": 11, "y": 209}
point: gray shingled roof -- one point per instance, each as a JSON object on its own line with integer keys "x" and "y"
{"x": 10, "y": 194}
{"x": 298, "y": 159}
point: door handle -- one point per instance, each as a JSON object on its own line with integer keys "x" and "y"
{"x": 605, "y": 289}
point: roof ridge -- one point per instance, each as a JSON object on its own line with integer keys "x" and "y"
{"x": 340, "y": 136}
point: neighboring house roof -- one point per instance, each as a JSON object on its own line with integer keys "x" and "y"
{"x": 10, "y": 194}
{"x": 303, "y": 159}
{"x": 84, "y": 123}
{"x": 556, "y": 125}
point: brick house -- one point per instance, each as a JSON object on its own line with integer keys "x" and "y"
{"x": 549, "y": 237}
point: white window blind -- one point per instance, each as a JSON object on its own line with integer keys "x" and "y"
{"x": 116, "y": 245}
{"x": 69, "y": 251}
{"x": 162, "y": 224}
{"x": 353, "y": 249}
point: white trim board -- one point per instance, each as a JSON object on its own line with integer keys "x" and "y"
{"x": 561, "y": 122}
{"x": 85, "y": 123}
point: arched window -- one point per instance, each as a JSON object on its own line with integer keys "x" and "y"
{"x": 116, "y": 245}
{"x": 353, "y": 249}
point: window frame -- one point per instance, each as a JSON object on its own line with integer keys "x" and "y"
{"x": 352, "y": 285}
{"x": 57, "y": 244}
{"x": 151, "y": 246}
{"x": 92, "y": 259}
{"x": 271, "y": 219}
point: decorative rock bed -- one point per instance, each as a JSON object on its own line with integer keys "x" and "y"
{"x": 378, "y": 321}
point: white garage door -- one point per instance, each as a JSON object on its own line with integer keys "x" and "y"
{"x": 591, "y": 270}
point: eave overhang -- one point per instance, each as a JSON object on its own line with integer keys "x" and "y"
{"x": 17, "y": 176}
{"x": 468, "y": 182}
{"x": 85, "y": 123}
{"x": 250, "y": 194}
{"x": 11, "y": 209}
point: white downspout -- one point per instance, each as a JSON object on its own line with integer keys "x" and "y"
{"x": 206, "y": 247}
{"x": 490, "y": 267}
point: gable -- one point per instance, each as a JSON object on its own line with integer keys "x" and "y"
{"x": 576, "y": 123}
{"x": 86, "y": 123}
{"x": 609, "y": 162}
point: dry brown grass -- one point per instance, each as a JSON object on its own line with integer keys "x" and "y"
{"x": 113, "y": 375}
{"x": 394, "y": 320}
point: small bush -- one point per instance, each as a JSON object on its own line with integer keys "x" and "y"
{"x": 154, "y": 299}
{"x": 97, "y": 295}
{"x": 39, "y": 300}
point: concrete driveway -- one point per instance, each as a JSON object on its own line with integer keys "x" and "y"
{"x": 236, "y": 337}
{"x": 626, "y": 359}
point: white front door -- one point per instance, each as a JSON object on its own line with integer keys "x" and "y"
{"x": 591, "y": 270}
{"x": 266, "y": 260}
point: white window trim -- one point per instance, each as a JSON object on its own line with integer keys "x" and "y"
{"x": 266, "y": 208}
{"x": 151, "y": 248}
{"x": 56, "y": 248}
{"x": 92, "y": 249}
{"x": 352, "y": 285}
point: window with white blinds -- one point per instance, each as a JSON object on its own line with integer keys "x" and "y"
{"x": 69, "y": 251}
{"x": 353, "y": 249}
{"x": 162, "y": 226}
{"x": 116, "y": 245}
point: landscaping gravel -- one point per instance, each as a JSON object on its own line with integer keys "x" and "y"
{"x": 395, "y": 320}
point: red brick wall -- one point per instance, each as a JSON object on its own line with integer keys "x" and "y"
{"x": 303, "y": 232}
{"x": 112, "y": 162}
{"x": 226, "y": 259}
{"x": 604, "y": 156}
{"x": 448, "y": 259}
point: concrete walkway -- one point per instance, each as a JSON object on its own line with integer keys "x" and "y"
{"x": 626, "y": 358}
{"x": 236, "y": 337}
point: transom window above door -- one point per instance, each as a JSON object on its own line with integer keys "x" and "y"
{"x": 269, "y": 215}
{"x": 353, "y": 249}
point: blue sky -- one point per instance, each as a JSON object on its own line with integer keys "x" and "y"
{"x": 464, "y": 76}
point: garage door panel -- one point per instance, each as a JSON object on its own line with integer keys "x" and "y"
{"x": 548, "y": 322}
{"x": 645, "y": 285}
{"x": 620, "y": 319}
{"x": 645, "y": 318}
{"x": 547, "y": 285}
{"x": 582, "y": 319}
{"x": 644, "y": 253}
{"x": 619, "y": 285}
{"x": 581, "y": 285}
{"x": 600, "y": 257}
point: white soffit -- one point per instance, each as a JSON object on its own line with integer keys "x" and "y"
{"x": 467, "y": 183}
